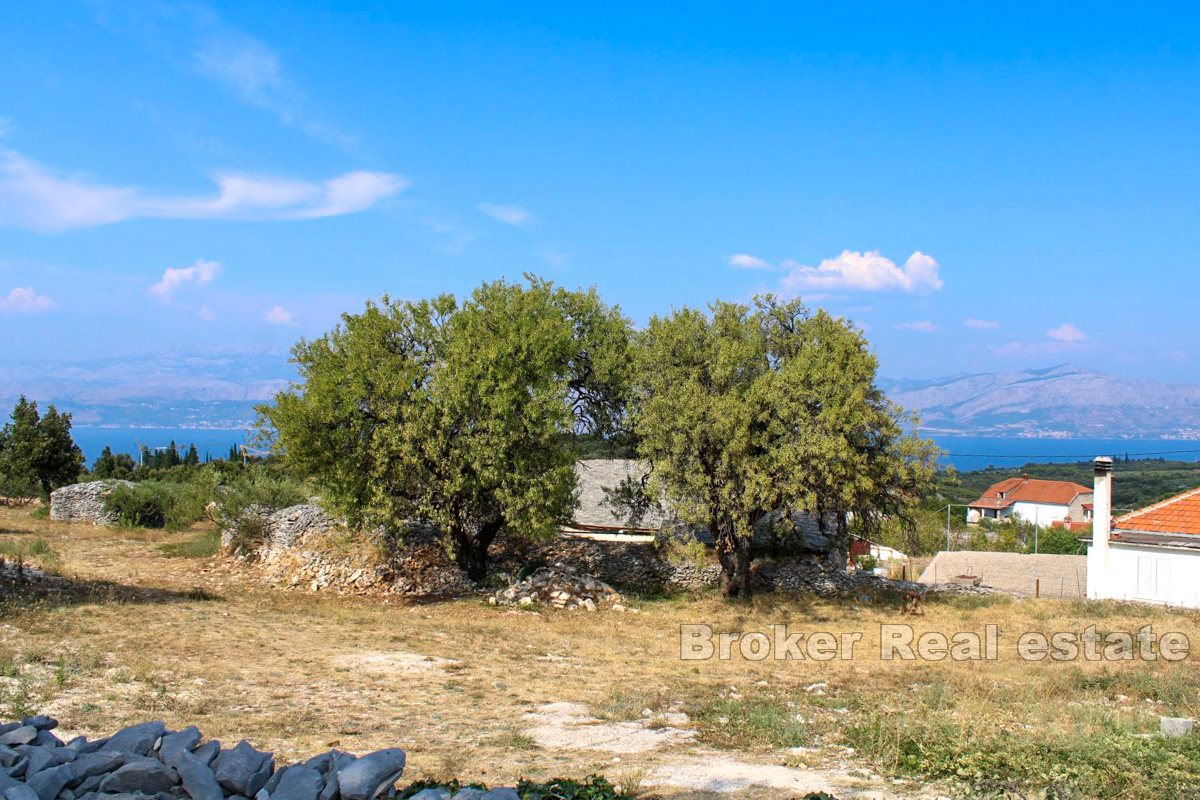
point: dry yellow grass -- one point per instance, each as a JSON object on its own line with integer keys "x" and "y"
{"x": 193, "y": 641}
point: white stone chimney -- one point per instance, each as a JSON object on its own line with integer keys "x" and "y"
{"x": 1097, "y": 557}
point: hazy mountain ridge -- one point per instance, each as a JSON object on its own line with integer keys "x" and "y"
{"x": 219, "y": 389}
{"x": 1060, "y": 401}
{"x": 201, "y": 390}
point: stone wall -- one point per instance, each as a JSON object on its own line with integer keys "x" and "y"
{"x": 83, "y": 502}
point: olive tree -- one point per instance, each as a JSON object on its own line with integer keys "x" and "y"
{"x": 749, "y": 409}
{"x": 457, "y": 414}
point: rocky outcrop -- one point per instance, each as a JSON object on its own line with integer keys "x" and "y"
{"x": 276, "y": 529}
{"x": 149, "y": 761}
{"x": 559, "y": 587}
{"x": 84, "y": 502}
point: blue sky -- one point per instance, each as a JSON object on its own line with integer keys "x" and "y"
{"x": 978, "y": 191}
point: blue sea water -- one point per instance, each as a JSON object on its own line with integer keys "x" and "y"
{"x": 210, "y": 442}
{"x": 964, "y": 452}
{"x": 968, "y": 453}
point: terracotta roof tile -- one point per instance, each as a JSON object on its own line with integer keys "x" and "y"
{"x": 1178, "y": 514}
{"x": 1030, "y": 490}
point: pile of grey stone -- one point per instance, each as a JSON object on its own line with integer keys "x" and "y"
{"x": 148, "y": 761}
{"x": 84, "y": 502}
{"x": 560, "y": 586}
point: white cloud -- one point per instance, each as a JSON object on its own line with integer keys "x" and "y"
{"x": 278, "y": 315}
{"x": 554, "y": 256}
{"x": 201, "y": 273}
{"x": 206, "y": 314}
{"x": 868, "y": 272}
{"x": 34, "y": 197}
{"x": 981, "y": 324}
{"x": 747, "y": 261}
{"x": 507, "y": 213}
{"x": 1066, "y": 333}
{"x": 24, "y": 300}
{"x": 921, "y": 325}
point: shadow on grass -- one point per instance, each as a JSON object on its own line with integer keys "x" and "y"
{"x": 23, "y": 590}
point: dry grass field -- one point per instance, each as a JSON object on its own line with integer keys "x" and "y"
{"x": 149, "y": 627}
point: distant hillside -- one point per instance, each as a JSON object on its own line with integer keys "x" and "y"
{"x": 208, "y": 390}
{"x": 1060, "y": 401}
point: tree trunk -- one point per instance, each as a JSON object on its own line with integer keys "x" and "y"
{"x": 471, "y": 550}
{"x": 839, "y": 555}
{"x": 735, "y": 555}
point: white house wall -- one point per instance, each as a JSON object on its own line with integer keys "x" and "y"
{"x": 1042, "y": 514}
{"x": 1148, "y": 574}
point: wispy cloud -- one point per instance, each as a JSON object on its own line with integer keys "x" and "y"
{"x": 747, "y": 261}
{"x": 507, "y": 213}
{"x": 1066, "y": 333}
{"x": 24, "y": 300}
{"x": 278, "y": 315}
{"x": 174, "y": 279}
{"x": 980, "y": 324}
{"x": 36, "y": 197}
{"x": 921, "y": 326}
{"x": 867, "y": 272}
{"x": 554, "y": 256}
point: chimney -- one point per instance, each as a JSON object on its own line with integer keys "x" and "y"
{"x": 1097, "y": 557}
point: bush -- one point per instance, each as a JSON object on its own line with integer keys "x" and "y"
{"x": 157, "y": 504}
{"x": 248, "y": 498}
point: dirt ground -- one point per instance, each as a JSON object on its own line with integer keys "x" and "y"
{"x": 491, "y": 694}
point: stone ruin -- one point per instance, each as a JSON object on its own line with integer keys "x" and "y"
{"x": 559, "y": 586}
{"x": 84, "y": 502}
{"x": 149, "y": 762}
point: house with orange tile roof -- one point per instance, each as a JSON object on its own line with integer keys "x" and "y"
{"x": 1041, "y": 502}
{"x": 1150, "y": 555}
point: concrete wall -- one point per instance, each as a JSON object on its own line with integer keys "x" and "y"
{"x": 1150, "y": 574}
{"x": 1042, "y": 514}
{"x": 1049, "y": 575}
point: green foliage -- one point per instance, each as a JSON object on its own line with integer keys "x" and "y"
{"x": 1136, "y": 483}
{"x": 249, "y": 496}
{"x": 458, "y": 414}
{"x": 746, "y": 410}
{"x": 593, "y": 787}
{"x": 760, "y": 722}
{"x": 110, "y": 466}
{"x": 37, "y": 453}
{"x": 1060, "y": 540}
{"x": 159, "y": 504}
{"x": 1117, "y": 763}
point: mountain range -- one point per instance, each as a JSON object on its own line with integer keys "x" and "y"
{"x": 1063, "y": 401}
{"x": 219, "y": 389}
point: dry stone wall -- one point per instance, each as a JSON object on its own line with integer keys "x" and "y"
{"x": 150, "y": 762}
{"x": 84, "y": 502}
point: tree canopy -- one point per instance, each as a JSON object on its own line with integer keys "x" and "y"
{"x": 37, "y": 453}
{"x": 458, "y": 414}
{"x": 749, "y": 409}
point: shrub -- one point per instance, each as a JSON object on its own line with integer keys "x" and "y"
{"x": 249, "y": 498}
{"x": 157, "y": 504}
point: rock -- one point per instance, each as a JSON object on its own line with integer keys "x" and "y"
{"x": 1173, "y": 727}
{"x": 207, "y": 752}
{"x": 432, "y": 793}
{"x": 243, "y": 770}
{"x": 91, "y": 765}
{"x": 49, "y": 782}
{"x": 468, "y": 793}
{"x": 501, "y": 794}
{"x": 39, "y": 759}
{"x": 371, "y": 775}
{"x": 185, "y": 739}
{"x": 145, "y": 776}
{"x": 138, "y": 739}
{"x": 7, "y": 782}
{"x": 23, "y": 734}
{"x": 299, "y": 783}
{"x": 198, "y": 780}
{"x": 8, "y": 756}
{"x": 41, "y": 722}
{"x": 20, "y": 792}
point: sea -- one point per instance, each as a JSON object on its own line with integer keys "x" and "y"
{"x": 965, "y": 453}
